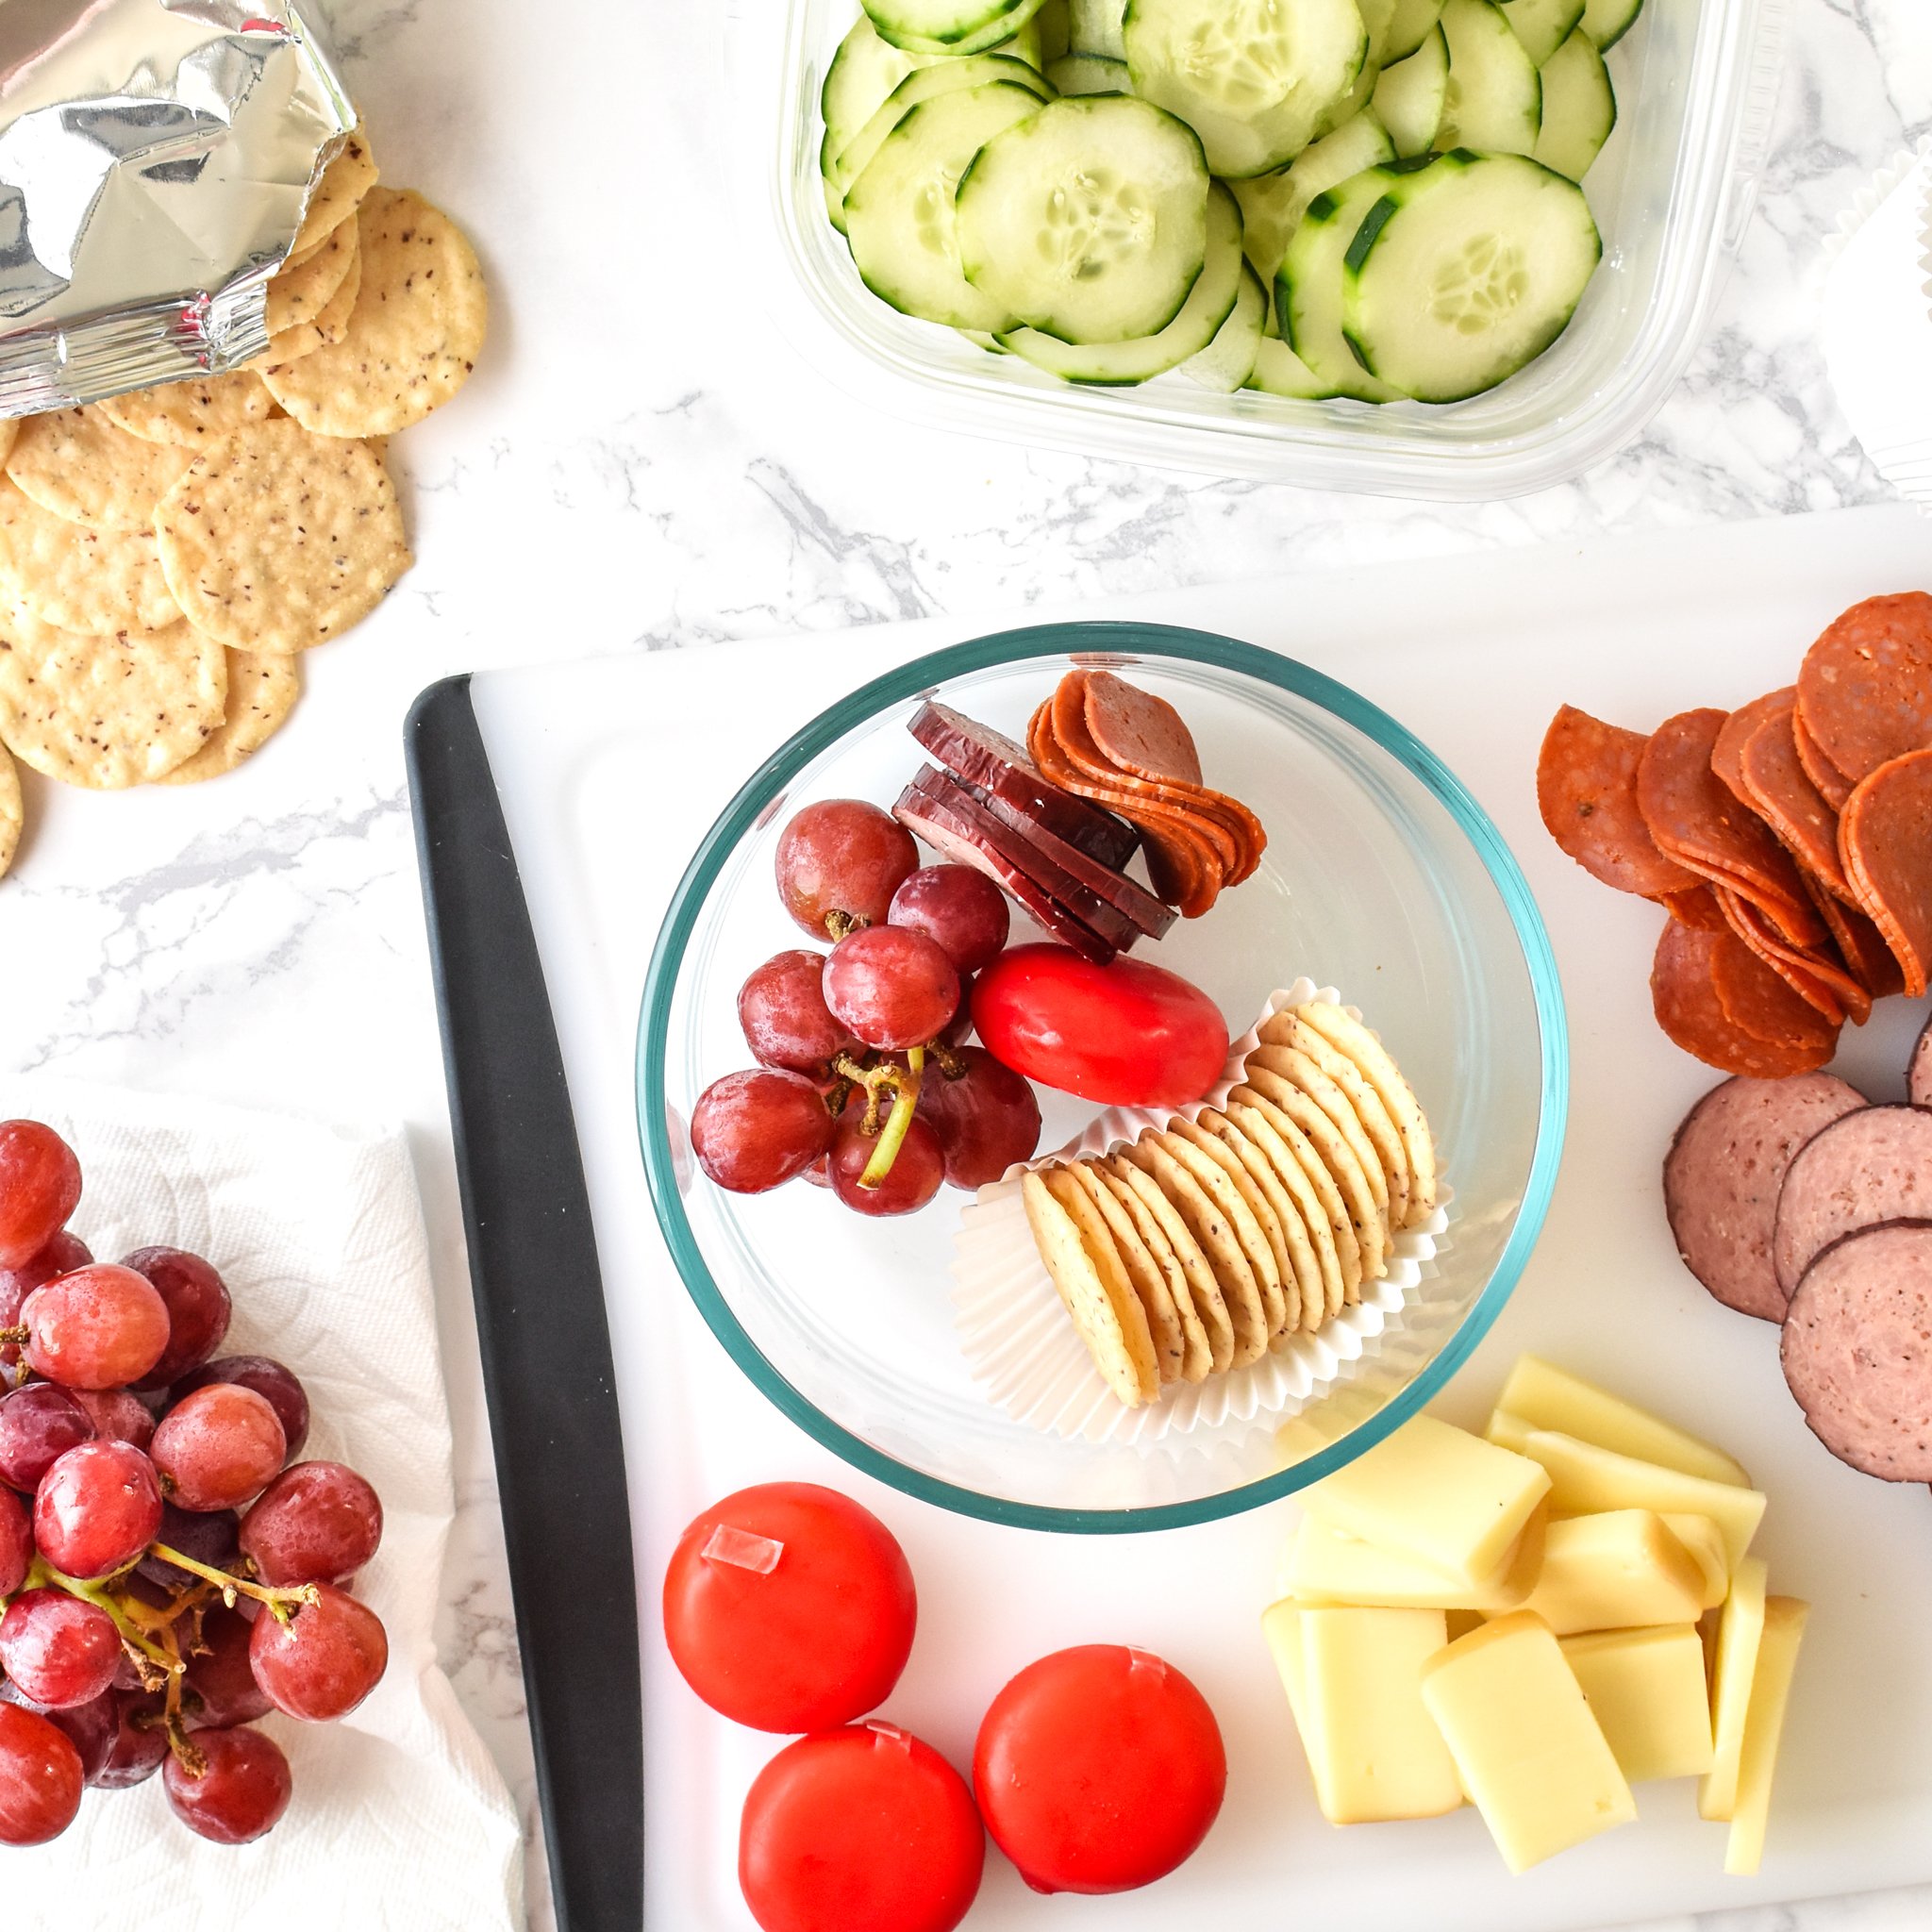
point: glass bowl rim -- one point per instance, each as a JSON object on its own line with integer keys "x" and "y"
{"x": 1132, "y": 639}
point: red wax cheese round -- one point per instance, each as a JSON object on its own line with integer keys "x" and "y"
{"x": 1099, "y": 1769}
{"x": 789, "y": 1607}
{"x": 1125, "y": 1035}
{"x": 860, "y": 1830}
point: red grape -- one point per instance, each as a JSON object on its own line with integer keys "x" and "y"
{"x": 100, "y": 1328}
{"x": 316, "y": 1522}
{"x": 241, "y": 1791}
{"x": 220, "y": 1676}
{"x": 198, "y": 1308}
{"x": 914, "y": 1178}
{"x": 90, "y": 1727}
{"x": 57, "y": 1649}
{"x": 207, "y": 1534}
{"x": 40, "y": 1187}
{"x": 786, "y": 1021}
{"x": 276, "y": 1385}
{"x": 118, "y": 1415}
{"x": 960, "y": 1025}
{"x": 97, "y": 1509}
{"x": 893, "y": 987}
{"x": 40, "y": 1777}
{"x": 962, "y": 911}
{"x": 16, "y": 1542}
{"x": 752, "y": 1131}
{"x": 62, "y": 1256}
{"x": 218, "y": 1446}
{"x": 323, "y": 1660}
{"x": 986, "y": 1120}
{"x": 139, "y": 1741}
{"x": 843, "y": 856}
{"x": 39, "y": 1424}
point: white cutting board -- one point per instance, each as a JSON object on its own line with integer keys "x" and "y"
{"x": 611, "y": 771}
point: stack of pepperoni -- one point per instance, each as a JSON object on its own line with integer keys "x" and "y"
{"x": 1791, "y": 841}
{"x": 1131, "y": 752}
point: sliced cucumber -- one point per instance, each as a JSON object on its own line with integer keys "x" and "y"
{"x": 924, "y": 84}
{"x": 1225, "y": 364}
{"x": 899, "y": 214}
{"x": 1089, "y": 73}
{"x": 1272, "y": 205}
{"x": 1025, "y": 45}
{"x": 942, "y": 23}
{"x": 1608, "y": 21}
{"x": 1464, "y": 270}
{"x": 1378, "y": 16}
{"x": 1579, "y": 108}
{"x": 1254, "y": 78}
{"x": 1542, "y": 25}
{"x": 1279, "y": 371}
{"x": 863, "y": 73}
{"x": 1360, "y": 92}
{"x": 997, "y": 32}
{"x": 1054, "y": 28}
{"x": 1088, "y": 221}
{"x": 1414, "y": 21}
{"x": 980, "y": 338}
{"x": 1308, "y": 286}
{"x": 1410, "y": 96}
{"x": 1201, "y": 316}
{"x": 1495, "y": 99}
{"x": 1093, "y": 27}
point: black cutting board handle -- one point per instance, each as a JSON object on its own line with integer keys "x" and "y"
{"x": 545, "y": 1337}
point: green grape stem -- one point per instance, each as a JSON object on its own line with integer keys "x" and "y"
{"x": 146, "y": 1653}
{"x": 283, "y": 1603}
{"x": 892, "y": 1135}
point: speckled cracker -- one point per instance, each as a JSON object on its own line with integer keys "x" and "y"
{"x": 1147, "y": 1282}
{"x": 1367, "y": 1051}
{"x": 261, "y": 693}
{"x": 81, "y": 579}
{"x": 1291, "y": 1064}
{"x": 1204, "y": 1221}
{"x": 9, "y": 434}
{"x": 349, "y": 176}
{"x": 13, "y": 813}
{"x": 1288, "y": 1188}
{"x": 1108, "y": 1317}
{"x": 1285, "y": 1030}
{"x": 1211, "y": 1306}
{"x": 192, "y": 413}
{"x": 1305, "y": 1176}
{"x": 83, "y": 466}
{"x": 300, "y": 290}
{"x": 417, "y": 327}
{"x": 1157, "y": 1275}
{"x": 277, "y": 539}
{"x": 330, "y": 323}
{"x": 108, "y": 712}
{"x": 1334, "y": 1157}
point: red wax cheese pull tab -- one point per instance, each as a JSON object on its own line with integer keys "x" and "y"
{"x": 743, "y": 1550}
{"x": 890, "y": 1735}
{"x": 1145, "y": 1663}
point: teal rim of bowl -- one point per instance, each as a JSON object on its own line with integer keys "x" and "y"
{"x": 915, "y": 679}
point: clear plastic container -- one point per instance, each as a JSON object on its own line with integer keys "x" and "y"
{"x": 1696, "y": 87}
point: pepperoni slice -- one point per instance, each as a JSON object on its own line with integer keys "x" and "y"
{"x": 1138, "y": 732}
{"x": 1865, "y": 687}
{"x": 1684, "y": 996}
{"x": 1769, "y": 1004}
{"x": 1695, "y": 821}
{"x": 1885, "y": 840}
{"x": 1726, "y": 755}
{"x": 1833, "y": 786}
{"x": 1698, "y": 907}
{"x": 1586, "y": 789}
{"x": 1820, "y": 981}
{"x": 1777, "y": 787}
{"x": 1861, "y": 946}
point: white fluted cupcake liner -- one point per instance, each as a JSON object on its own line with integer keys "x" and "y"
{"x": 1022, "y": 1347}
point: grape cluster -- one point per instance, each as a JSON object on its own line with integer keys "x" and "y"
{"x": 862, "y": 1085}
{"x": 169, "y": 1572}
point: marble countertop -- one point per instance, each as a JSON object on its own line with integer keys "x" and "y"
{"x": 633, "y": 470}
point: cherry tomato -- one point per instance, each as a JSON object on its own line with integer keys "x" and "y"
{"x": 860, "y": 1830}
{"x": 1126, "y": 1035}
{"x": 1098, "y": 1769}
{"x": 789, "y": 1607}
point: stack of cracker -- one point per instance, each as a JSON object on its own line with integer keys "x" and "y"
{"x": 167, "y": 554}
{"x": 1197, "y": 1247}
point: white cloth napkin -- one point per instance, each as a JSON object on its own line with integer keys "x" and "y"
{"x": 399, "y": 1817}
{"x": 1877, "y": 323}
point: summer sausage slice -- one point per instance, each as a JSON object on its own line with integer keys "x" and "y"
{"x": 1857, "y": 1350}
{"x": 1871, "y": 1166}
{"x": 1722, "y": 1175}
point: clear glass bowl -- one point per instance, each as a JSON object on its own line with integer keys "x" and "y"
{"x": 1697, "y": 83}
{"x": 1383, "y": 877}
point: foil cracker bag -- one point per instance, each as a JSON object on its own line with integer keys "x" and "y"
{"x": 156, "y": 157}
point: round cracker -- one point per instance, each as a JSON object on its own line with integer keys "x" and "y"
{"x": 88, "y": 581}
{"x": 12, "y": 812}
{"x": 417, "y": 327}
{"x": 277, "y": 539}
{"x": 107, "y": 712}
{"x": 1204, "y": 1291}
{"x": 80, "y": 465}
{"x": 1332, "y": 1157}
{"x": 337, "y": 193}
{"x": 1324, "y": 1216}
{"x": 1298, "y": 1069}
{"x": 1287, "y": 1029}
{"x": 1232, "y": 1205}
{"x": 261, "y": 692}
{"x": 1304, "y": 1232}
{"x": 1211, "y": 1228}
{"x": 194, "y": 413}
{"x": 1197, "y": 1356}
{"x": 1367, "y": 1051}
{"x": 9, "y": 434}
{"x": 1107, "y": 1319}
{"x": 1282, "y": 1300}
{"x": 1148, "y": 1283}
{"x": 300, "y": 290}
{"x": 327, "y": 325}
